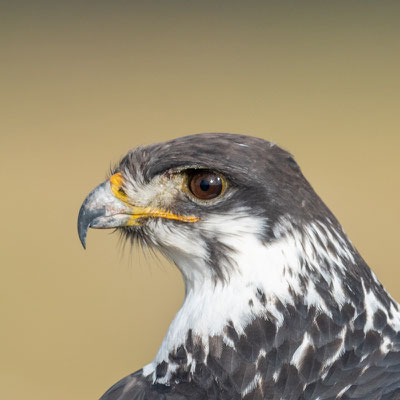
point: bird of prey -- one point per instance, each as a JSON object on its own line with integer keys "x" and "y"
{"x": 278, "y": 302}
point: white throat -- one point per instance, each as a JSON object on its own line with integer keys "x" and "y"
{"x": 261, "y": 275}
{"x": 270, "y": 269}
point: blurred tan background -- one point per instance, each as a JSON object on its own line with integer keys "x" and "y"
{"x": 82, "y": 83}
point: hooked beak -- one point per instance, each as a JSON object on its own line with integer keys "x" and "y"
{"x": 107, "y": 206}
{"x": 102, "y": 209}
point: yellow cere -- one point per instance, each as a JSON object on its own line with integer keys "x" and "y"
{"x": 116, "y": 183}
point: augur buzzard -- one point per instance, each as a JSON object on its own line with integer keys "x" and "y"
{"x": 278, "y": 302}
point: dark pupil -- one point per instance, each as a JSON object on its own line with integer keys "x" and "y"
{"x": 204, "y": 185}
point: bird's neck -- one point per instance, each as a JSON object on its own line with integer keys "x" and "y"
{"x": 298, "y": 272}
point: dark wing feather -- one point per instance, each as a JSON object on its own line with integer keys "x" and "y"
{"x": 138, "y": 387}
{"x": 132, "y": 387}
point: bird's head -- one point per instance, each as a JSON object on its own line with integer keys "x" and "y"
{"x": 201, "y": 199}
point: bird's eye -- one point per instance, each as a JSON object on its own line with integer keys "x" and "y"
{"x": 205, "y": 185}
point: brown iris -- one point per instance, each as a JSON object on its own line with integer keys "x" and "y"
{"x": 205, "y": 185}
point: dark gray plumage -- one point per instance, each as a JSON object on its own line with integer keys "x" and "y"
{"x": 279, "y": 304}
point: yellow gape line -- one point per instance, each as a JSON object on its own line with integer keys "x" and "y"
{"x": 116, "y": 183}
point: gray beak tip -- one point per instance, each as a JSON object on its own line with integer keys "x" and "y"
{"x": 89, "y": 211}
{"x": 83, "y": 241}
{"x": 101, "y": 210}
{"x": 85, "y": 218}
{"x": 83, "y": 225}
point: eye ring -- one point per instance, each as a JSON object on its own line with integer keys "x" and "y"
{"x": 205, "y": 185}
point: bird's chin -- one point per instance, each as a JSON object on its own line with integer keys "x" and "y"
{"x": 133, "y": 234}
{"x": 133, "y": 229}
